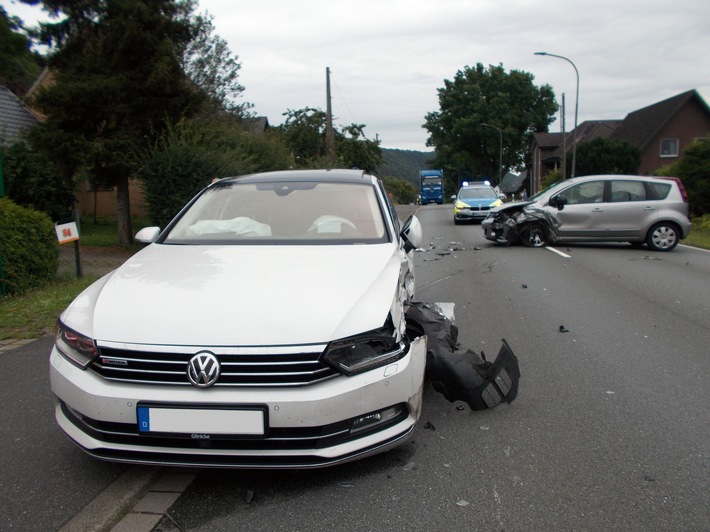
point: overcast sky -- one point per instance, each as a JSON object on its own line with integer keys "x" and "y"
{"x": 388, "y": 57}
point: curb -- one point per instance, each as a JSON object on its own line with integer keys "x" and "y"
{"x": 13, "y": 343}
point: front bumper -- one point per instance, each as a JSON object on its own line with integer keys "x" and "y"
{"x": 308, "y": 426}
{"x": 492, "y": 229}
{"x": 471, "y": 213}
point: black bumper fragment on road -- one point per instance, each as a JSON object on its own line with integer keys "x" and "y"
{"x": 464, "y": 376}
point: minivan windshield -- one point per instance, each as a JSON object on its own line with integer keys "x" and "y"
{"x": 549, "y": 190}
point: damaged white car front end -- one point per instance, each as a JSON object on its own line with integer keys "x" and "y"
{"x": 274, "y": 335}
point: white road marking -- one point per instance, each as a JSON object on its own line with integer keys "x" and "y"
{"x": 559, "y": 252}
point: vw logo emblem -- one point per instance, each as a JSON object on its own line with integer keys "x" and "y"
{"x": 203, "y": 369}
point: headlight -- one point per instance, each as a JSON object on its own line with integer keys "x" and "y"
{"x": 77, "y": 348}
{"x": 497, "y": 203}
{"x": 364, "y": 352}
{"x": 461, "y": 205}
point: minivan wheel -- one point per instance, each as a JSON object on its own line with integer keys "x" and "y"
{"x": 534, "y": 236}
{"x": 662, "y": 237}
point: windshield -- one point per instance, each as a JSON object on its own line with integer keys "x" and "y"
{"x": 477, "y": 192}
{"x": 304, "y": 212}
{"x": 549, "y": 190}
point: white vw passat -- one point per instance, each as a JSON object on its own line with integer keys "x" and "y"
{"x": 264, "y": 327}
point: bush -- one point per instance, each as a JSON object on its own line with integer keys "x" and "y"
{"x": 34, "y": 182}
{"x": 28, "y": 247}
{"x": 693, "y": 169}
{"x": 190, "y": 155}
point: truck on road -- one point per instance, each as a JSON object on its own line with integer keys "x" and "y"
{"x": 431, "y": 186}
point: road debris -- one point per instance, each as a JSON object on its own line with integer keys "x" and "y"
{"x": 467, "y": 376}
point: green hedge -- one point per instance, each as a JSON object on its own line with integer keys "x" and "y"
{"x": 28, "y": 247}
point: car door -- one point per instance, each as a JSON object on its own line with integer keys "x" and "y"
{"x": 629, "y": 211}
{"x": 583, "y": 215}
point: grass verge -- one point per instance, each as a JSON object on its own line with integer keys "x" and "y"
{"x": 35, "y": 313}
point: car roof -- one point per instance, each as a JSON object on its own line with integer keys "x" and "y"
{"x": 309, "y": 175}
{"x": 615, "y": 176}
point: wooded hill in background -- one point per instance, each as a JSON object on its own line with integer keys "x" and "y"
{"x": 404, "y": 164}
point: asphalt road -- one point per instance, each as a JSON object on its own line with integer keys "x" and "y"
{"x": 610, "y": 430}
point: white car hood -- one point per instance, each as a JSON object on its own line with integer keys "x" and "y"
{"x": 241, "y": 295}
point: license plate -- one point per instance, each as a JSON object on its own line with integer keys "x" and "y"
{"x": 199, "y": 420}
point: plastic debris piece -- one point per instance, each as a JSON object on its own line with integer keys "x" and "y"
{"x": 563, "y": 329}
{"x": 462, "y": 503}
{"x": 346, "y": 484}
{"x": 429, "y": 426}
{"x": 410, "y": 466}
{"x": 468, "y": 376}
{"x": 525, "y": 286}
{"x": 249, "y": 497}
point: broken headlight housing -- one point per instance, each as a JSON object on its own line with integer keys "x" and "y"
{"x": 366, "y": 351}
{"x": 77, "y": 348}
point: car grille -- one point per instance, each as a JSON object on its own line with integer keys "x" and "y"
{"x": 484, "y": 208}
{"x": 236, "y": 369}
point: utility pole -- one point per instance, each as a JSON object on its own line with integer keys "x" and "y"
{"x": 329, "y": 139}
{"x": 564, "y": 141}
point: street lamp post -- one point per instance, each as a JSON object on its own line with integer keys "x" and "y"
{"x": 500, "y": 158}
{"x": 576, "y": 108}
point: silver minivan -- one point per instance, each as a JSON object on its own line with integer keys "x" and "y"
{"x": 606, "y": 208}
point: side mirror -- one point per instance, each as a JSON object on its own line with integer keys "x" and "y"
{"x": 412, "y": 234}
{"x": 453, "y": 197}
{"x": 558, "y": 201}
{"x": 148, "y": 235}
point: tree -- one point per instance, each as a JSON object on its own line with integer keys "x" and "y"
{"x": 33, "y": 181}
{"x": 119, "y": 80}
{"x": 508, "y": 101}
{"x": 693, "y": 169}
{"x": 607, "y": 156}
{"x": 303, "y": 131}
{"x": 210, "y": 64}
{"x": 403, "y": 192}
{"x": 357, "y": 151}
{"x": 19, "y": 66}
{"x": 190, "y": 154}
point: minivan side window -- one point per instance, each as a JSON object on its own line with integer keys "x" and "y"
{"x": 661, "y": 190}
{"x": 627, "y": 191}
{"x": 591, "y": 192}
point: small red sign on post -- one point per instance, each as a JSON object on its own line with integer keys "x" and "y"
{"x": 67, "y": 232}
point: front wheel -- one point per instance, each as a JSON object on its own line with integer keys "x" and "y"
{"x": 534, "y": 236}
{"x": 662, "y": 237}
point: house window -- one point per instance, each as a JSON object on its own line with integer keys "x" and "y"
{"x": 670, "y": 147}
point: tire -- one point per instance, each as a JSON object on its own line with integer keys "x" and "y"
{"x": 663, "y": 237}
{"x": 534, "y": 236}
